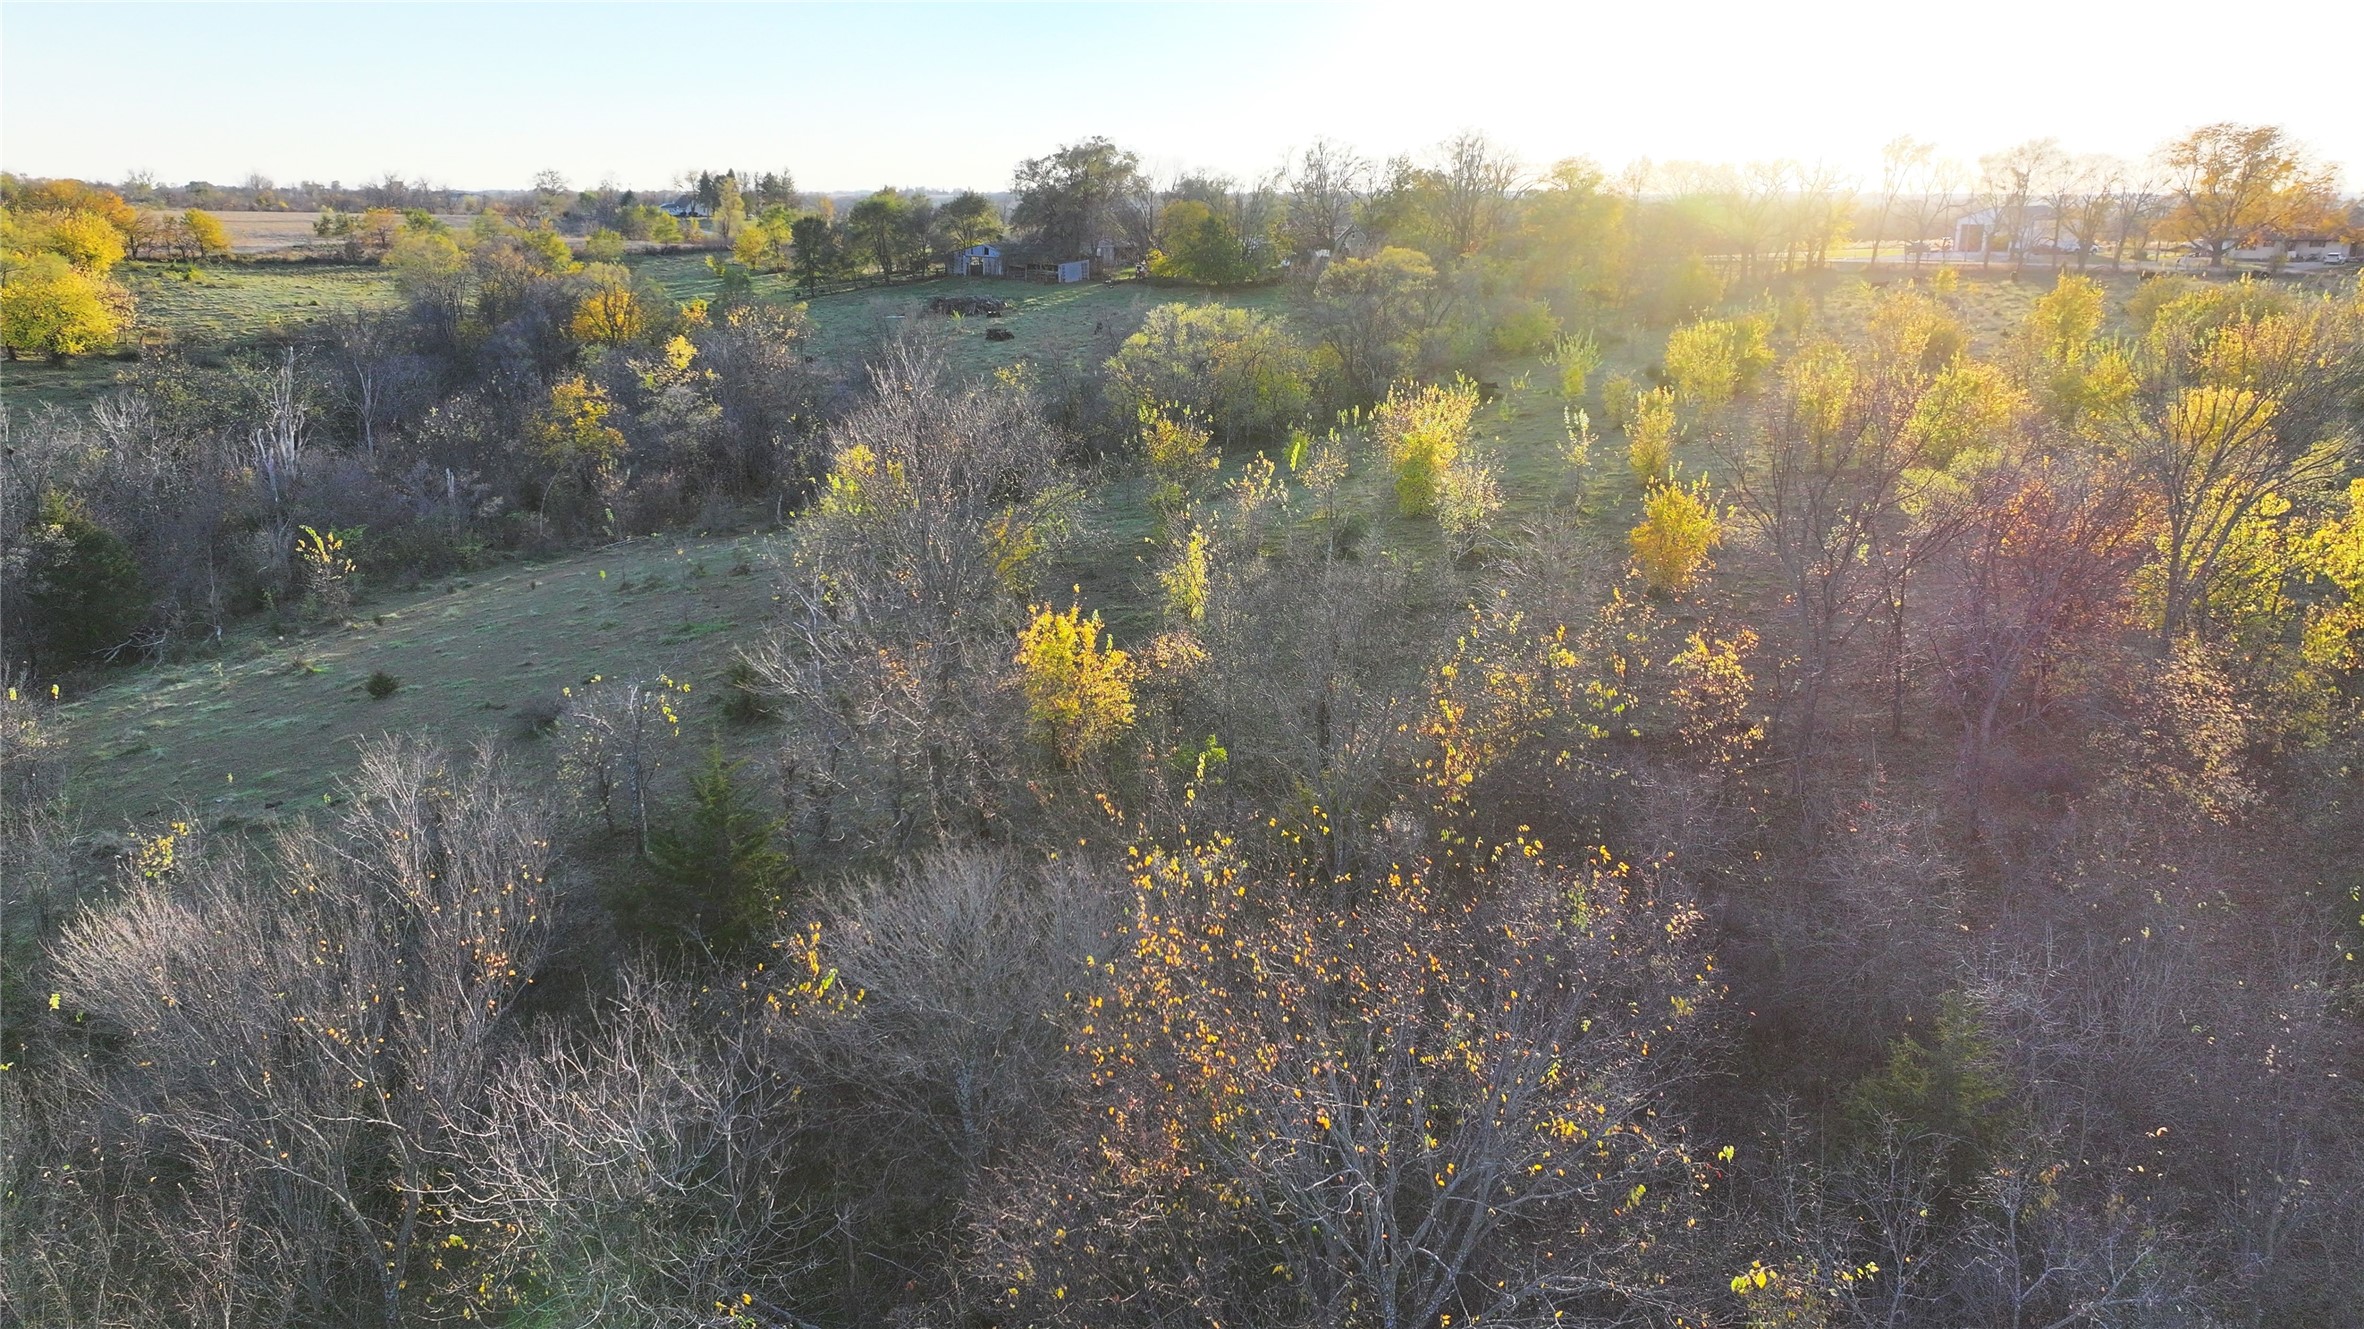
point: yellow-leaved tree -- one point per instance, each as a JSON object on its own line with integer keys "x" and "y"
{"x": 1423, "y": 430}
{"x": 1679, "y": 526}
{"x": 1078, "y": 686}
{"x": 50, "y": 307}
{"x": 1650, "y": 435}
{"x": 572, "y": 434}
{"x": 612, "y": 313}
{"x": 207, "y": 233}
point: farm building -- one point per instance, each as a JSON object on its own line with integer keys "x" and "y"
{"x": 686, "y": 207}
{"x": 1021, "y": 261}
{"x": 2303, "y": 249}
{"x": 2000, "y": 230}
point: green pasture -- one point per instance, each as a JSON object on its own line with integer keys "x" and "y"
{"x": 266, "y": 727}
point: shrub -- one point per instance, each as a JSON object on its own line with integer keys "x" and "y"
{"x": 1618, "y": 395}
{"x": 382, "y": 685}
{"x": 1678, "y": 527}
{"x": 1079, "y": 689}
{"x": 1650, "y": 436}
{"x": 1235, "y": 369}
{"x": 1576, "y": 357}
{"x": 1184, "y": 580}
{"x": 50, "y": 307}
{"x": 746, "y": 702}
{"x": 1715, "y": 359}
{"x": 719, "y": 873}
{"x": 1524, "y": 328}
{"x": 1423, "y": 431}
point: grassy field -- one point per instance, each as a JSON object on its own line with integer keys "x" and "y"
{"x": 266, "y": 727}
{"x": 206, "y": 305}
{"x": 1047, "y": 323}
{"x": 267, "y": 232}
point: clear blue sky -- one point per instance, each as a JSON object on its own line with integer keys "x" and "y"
{"x": 952, "y": 95}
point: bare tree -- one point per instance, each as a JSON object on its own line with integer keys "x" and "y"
{"x": 2044, "y": 558}
{"x": 902, "y": 602}
{"x": 2013, "y": 179}
{"x": 1476, "y": 181}
{"x": 297, "y": 1035}
{"x": 1325, "y": 197}
{"x": 645, "y": 1157}
{"x": 1820, "y": 484}
{"x": 1904, "y": 162}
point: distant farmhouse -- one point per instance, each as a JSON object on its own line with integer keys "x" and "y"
{"x": 685, "y": 208}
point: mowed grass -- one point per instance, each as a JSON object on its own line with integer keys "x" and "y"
{"x": 266, "y": 728}
{"x": 206, "y": 307}
{"x": 264, "y": 232}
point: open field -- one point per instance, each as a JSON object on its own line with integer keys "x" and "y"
{"x": 206, "y": 305}
{"x": 267, "y": 726}
{"x": 265, "y": 232}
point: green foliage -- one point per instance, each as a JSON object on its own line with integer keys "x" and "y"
{"x": 603, "y": 246}
{"x": 719, "y": 872}
{"x": 1954, "y": 1087}
{"x": 1525, "y": 327}
{"x": 82, "y": 583}
{"x": 1711, "y": 361}
{"x": 1576, "y": 356}
{"x": 1619, "y": 396}
{"x": 1184, "y": 578}
{"x": 1199, "y": 245}
{"x": 1686, "y": 288}
{"x": 1423, "y": 431}
{"x": 1236, "y": 369}
{"x": 1965, "y": 408}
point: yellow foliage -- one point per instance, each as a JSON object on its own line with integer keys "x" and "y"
{"x": 1679, "y": 526}
{"x": 50, "y": 307}
{"x": 1821, "y": 384}
{"x": 860, "y": 482}
{"x": 211, "y": 237}
{"x": 611, "y": 315}
{"x": 1423, "y": 431}
{"x": 88, "y": 241}
{"x": 1079, "y": 689}
{"x": 1650, "y": 436}
{"x": 1185, "y": 579}
{"x": 572, "y": 432}
{"x": 1176, "y": 447}
{"x": 1715, "y": 359}
{"x": 1965, "y": 408}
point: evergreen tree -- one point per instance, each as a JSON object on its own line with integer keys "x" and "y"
{"x": 83, "y": 584}
{"x": 719, "y": 872}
